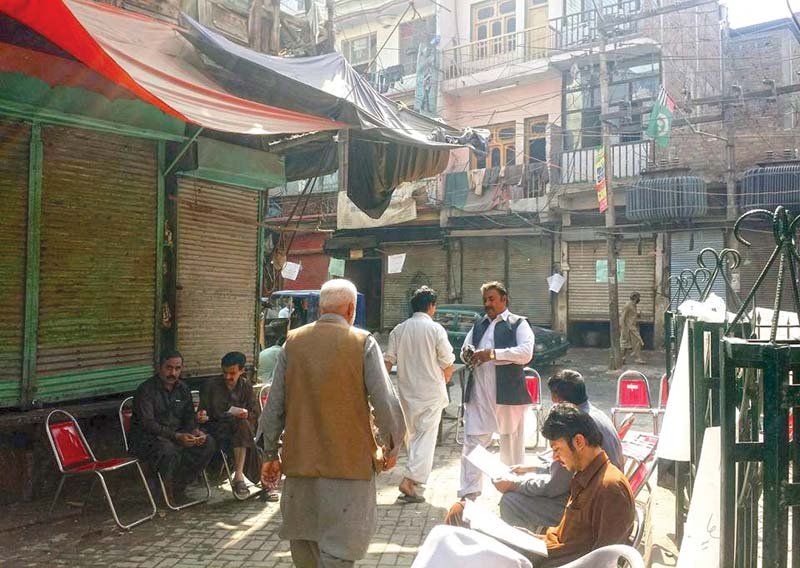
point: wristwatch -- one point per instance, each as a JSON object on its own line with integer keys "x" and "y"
{"x": 491, "y": 355}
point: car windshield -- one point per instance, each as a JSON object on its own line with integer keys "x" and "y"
{"x": 466, "y": 321}
{"x": 276, "y": 304}
{"x": 445, "y": 318}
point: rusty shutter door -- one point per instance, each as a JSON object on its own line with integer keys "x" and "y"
{"x": 217, "y": 273}
{"x": 98, "y": 257}
{"x": 426, "y": 265}
{"x": 484, "y": 260}
{"x": 14, "y": 158}
{"x": 588, "y": 299}
{"x": 530, "y": 263}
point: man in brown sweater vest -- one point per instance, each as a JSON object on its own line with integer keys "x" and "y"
{"x": 329, "y": 391}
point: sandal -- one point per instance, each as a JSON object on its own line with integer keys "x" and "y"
{"x": 405, "y": 499}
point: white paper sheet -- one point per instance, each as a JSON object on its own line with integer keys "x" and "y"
{"x": 700, "y": 546}
{"x": 395, "y": 263}
{"x": 556, "y": 282}
{"x": 236, "y": 411}
{"x": 674, "y": 443}
{"x": 489, "y": 464}
{"x": 483, "y": 520}
{"x": 290, "y": 270}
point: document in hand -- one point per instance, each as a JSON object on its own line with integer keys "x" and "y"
{"x": 483, "y": 520}
{"x": 489, "y": 464}
{"x": 236, "y": 411}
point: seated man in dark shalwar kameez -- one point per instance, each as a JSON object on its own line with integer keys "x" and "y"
{"x": 233, "y": 431}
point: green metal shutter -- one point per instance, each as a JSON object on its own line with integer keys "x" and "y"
{"x": 484, "y": 260}
{"x": 588, "y": 299}
{"x": 14, "y": 158}
{"x": 98, "y": 256}
{"x": 426, "y": 264}
{"x": 217, "y": 273}
{"x": 530, "y": 263}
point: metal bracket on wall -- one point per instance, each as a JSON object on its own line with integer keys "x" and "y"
{"x": 182, "y": 151}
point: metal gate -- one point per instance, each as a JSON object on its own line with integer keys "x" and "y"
{"x": 588, "y": 298}
{"x": 217, "y": 273}
{"x": 97, "y": 282}
{"x": 14, "y": 155}
{"x": 484, "y": 259}
{"x": 426, "y": 264}
{"x": 530, "y": 261}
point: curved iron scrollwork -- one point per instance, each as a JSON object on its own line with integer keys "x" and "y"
{"x": 784, "y": 231}
{"x": 723, "y": 262}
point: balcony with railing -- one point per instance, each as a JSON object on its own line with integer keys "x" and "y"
{"x": 484, "y": 54}
{"x": 580, "y": 28}
{"x": 628, "y": 159}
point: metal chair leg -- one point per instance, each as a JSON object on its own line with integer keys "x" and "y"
{"x": 57, "y": 495}
{"x": 230, "y": 480}
{"x": 190, "y": 503}
{"x": 114, "y": 509}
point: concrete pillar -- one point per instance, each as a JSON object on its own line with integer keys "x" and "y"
{"x": 661, "y": 290}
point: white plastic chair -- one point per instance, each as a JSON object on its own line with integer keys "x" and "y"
{"x": 608, "y": 557}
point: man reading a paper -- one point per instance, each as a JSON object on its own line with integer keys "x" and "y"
{"x": 536, "y": 500}
{"x": 229, "y": 409}
{"x": 498, "y": 347}
{"x": 600, "y": 509}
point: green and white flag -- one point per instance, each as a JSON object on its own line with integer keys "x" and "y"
{"x": 660, "y": 125}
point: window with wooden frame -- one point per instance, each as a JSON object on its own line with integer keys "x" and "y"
{"x": 501, "y": 150}
{"x": 536, "y": 154}
{"x": 490, "y": 22}
{"x": 360, "y": 50}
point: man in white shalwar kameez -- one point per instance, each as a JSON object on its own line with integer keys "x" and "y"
{"x": 497, "y": 395}
{"x": 424, "y": 358}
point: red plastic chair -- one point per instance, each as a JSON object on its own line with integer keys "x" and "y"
{"x": 74, "y": 457}
{"x": 534, "y": 383}
{"x": 639, "y": 450}
{"x": 125, "y": 415}
{"x": 633, "y": 395}
{"x": 626, "y": 425}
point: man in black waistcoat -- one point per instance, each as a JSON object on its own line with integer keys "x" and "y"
{"x": 496, "y": 394}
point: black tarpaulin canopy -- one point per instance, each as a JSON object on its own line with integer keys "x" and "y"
{"x": 389, "y": 144}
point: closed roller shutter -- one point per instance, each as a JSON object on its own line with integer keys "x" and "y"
{"x": 425, "y": 265}
{"x": 530, "y": 262}
{"x": 685, "y": 246}
{"x": 98, "y": 256}
{"x": 14, "y": 157}
{"x": 754, "y": 259}
{"x": 217, "y": 273}
{"x": 484, "y": 259}
{"x": 588, "y": 299}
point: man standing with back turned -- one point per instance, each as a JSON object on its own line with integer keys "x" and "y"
{"x": 424, "y": 358}
{"x": 496, "y": 396}
{"x": 326, "y": 378}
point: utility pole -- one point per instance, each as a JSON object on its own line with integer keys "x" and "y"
{"x": 615, "y": 354}
{"x": 331, "y": 39}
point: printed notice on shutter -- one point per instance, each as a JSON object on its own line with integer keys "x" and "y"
{"x": 336, "y": 267}
{"x": 290, "y": 270}
{"x": 395, "y": 263}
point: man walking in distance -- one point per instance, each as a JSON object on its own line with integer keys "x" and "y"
{"x": 424, "y": 358}
{"x": 630, "y": 340}
{"x": 498, "y": 346}
{"x": 326, "y": 379}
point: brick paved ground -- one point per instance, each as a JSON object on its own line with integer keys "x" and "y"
{"x": 226, "y": 533}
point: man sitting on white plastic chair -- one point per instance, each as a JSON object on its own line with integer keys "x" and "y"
{"x": 536, "y": 500}
{"x": 164, "y": 432}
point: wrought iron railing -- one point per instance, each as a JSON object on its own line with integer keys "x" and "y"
{"x": 629, "y": 160}
{"x": 580, "y": 28}
{"x": 480, "y": 55}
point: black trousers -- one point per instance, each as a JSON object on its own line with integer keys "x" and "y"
{"x": 174, "y": 462}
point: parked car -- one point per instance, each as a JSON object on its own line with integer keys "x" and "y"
{"x": 458, "y": 319}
